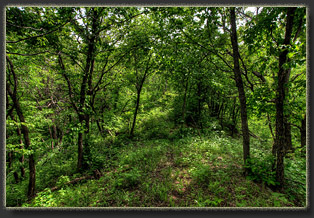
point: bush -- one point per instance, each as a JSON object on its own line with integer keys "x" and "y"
{"x": 154, "y": 124}
{"x": 202, "y": 174}
{"x": 261, "y": 170}
{"x": 128, "y": 179}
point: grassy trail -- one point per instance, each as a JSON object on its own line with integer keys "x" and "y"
{"x": 186, "y": 172}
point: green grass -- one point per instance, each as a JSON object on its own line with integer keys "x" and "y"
{"x": 176, "y": 172}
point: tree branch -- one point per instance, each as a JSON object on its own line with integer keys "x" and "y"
{"x": 246, "y": 73}
{"x": 68, "y": 81}
{"x": 24, "y": 27}
{"x": 13, "y": 53}
{"x": 202, "y": 46}
{"x": 37, "y": 36}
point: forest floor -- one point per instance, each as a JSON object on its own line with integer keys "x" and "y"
{"x": 189, "y": 171}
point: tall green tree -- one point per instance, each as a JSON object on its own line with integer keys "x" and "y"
{"x": 239, "y": 83}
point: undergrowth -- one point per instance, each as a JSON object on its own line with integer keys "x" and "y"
{"x": 190, "y": 171}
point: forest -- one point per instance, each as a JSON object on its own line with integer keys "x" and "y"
{"x": 156, "y": 107}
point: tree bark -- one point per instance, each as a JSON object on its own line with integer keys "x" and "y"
{"x": 200, "y": 101}
{"x": 239, "y": 84}
{"x": 24, "y": 130}
{"x": 221, "y": 115}
{"x": 10, "y": 160}
{"x": 139, "y": 87}
{"x": 280, "y": 99}
{"x": 234, "y": 117}
{"x": 136, "y": 109}
{"x": 303, "y": 132}
{"x": 18, "y": 131}
{"x": 54, "y": 134}
{"x": 86, "y": 89}
{"x": 184, "y": 100}
{"x": 270, "y": 127}
{"x": 80, "y": 151}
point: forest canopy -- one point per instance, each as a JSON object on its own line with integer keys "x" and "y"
{"x": 156, "y": 106}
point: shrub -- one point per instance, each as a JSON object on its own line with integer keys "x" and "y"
{"x": 202, "y": 174}
{"x": 261, "y": 170}
{"x": 128, "y": 179}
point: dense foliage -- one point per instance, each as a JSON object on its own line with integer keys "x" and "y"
{"x": 156, "y": 106}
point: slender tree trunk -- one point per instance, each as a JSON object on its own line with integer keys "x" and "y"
{"x": 80, "y": 143}
{"x": 221, "y": 115}
{"x": 80, "y": 151}
{"x": 19, "y": 134}
{"x": 24, "y": 130}
{"x": 32, "y": 176}
{"x": 220, "y": 108}
{"x": 303, "y": 132}
{"x": 10, "y": 160}
{"x": 233, "y": 117}
{"x": 99, "y": 127}
{"x": 50, "y": 133}
{"x": 18, "y": 131}
{"x": 184, "y": 100}
{"x": 16, "y": 177}
{"x": 199, "y": 106}
{"x": 139, "y": 87}
{"x": 83, "y": 147}
{"x": 31, "y": 161}
{"x": 239, "y": 84}
{"x": 54, "y": 134}
{"x": 86, "y": 147}
{"x": 10, "y": 156}
{"x": 280, "y": 99}
{"x": 86, "y": 89}
{"x": 136, "y": 109}
{"x": 270, "y": 128}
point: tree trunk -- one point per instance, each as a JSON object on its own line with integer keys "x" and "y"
{"x": 10, "y": 160}
{"x": 271, "y": 132}
{"x": 50, "y": 133}
{"x": 184, "y": 101}
{"x": 54, "y": 134}
{"x": 239, "y": 84}
{"x": 199, "y": 106}
{"x": 16, "y": 177}
{"x": 86, "y": 147}
{"x": 18, "y": 131}
{"x": 136, "y": 109}
{"x": 80, "y": 142}
{"x": 80, "y": 151}
{"x": 220, "y": 108}
{"x": 24, "y": 130}
{"x": 221, "y": 115}
{"x": 139, "y": 87}
{"x": 303, "y": 132}
{"x": 32, "y": 176}
{"x": 233, "y": 118}
{"x": 280, "y": 99}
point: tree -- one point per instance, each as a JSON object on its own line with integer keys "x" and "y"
{"x": 141, "y": 58}
{"x": 284, "y": 43}
{"x": 95, "y": 47}
{"x": 280, "y": 99}
{"x": 24, "y": 128}
{"x": 239, "y": 83}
